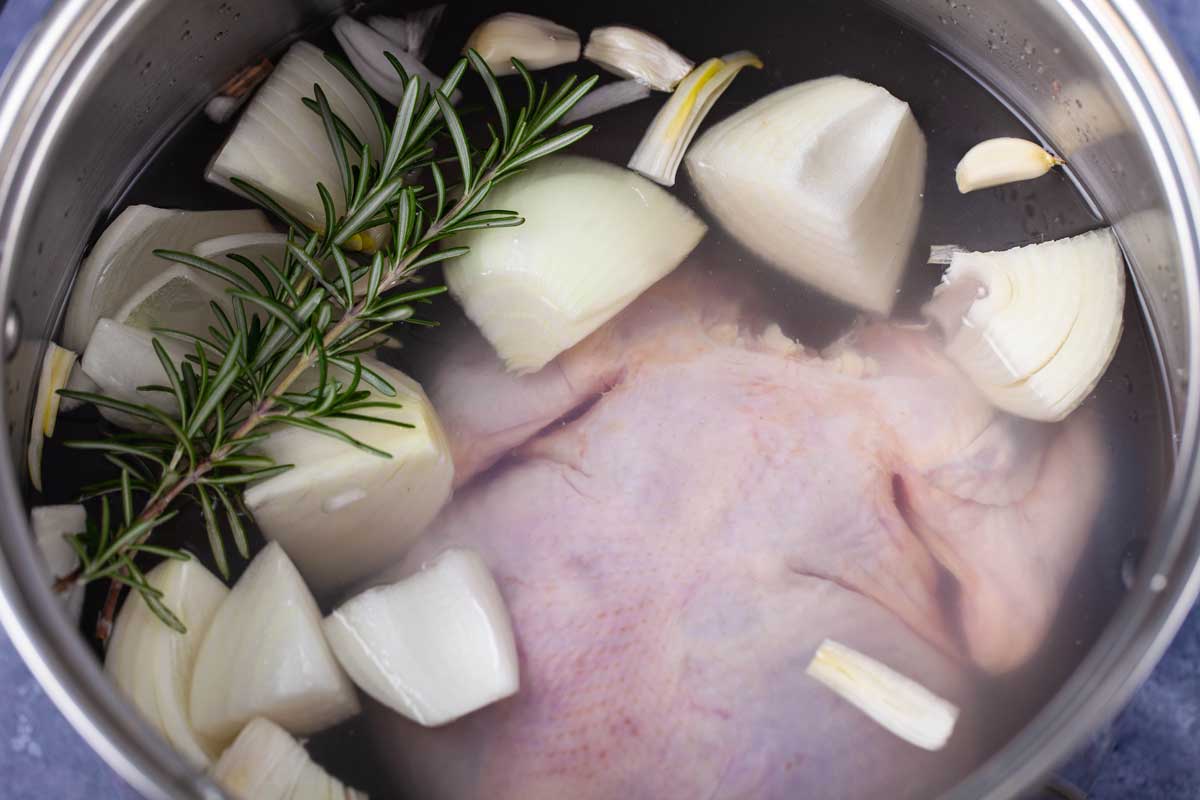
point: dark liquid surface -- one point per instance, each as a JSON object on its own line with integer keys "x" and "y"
{"x": 804, "y": 40}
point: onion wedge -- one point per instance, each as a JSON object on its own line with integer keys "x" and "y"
{"x": 266, "y": 763}
{"x": 57, "y": 364}
{"x": 51, "y": 525}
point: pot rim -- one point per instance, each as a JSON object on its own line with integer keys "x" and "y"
{"x": 52, "y": 68}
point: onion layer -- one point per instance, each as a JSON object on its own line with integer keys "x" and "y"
{"x": 823, "y": 180}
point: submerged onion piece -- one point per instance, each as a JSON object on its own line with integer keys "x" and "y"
{"x": 1000, "y": 161}
{"x": 51, "y": 525}
{"x": 57, "y": 364}
{"x": 264, "y": 656}
{"x": 280, "y": 145}
{"x": 633, "y": 53}
{"x": 824, "y": 181}
{"x": 434, "y": 646}
{"x": 266, "y": 763}
{"x": 342, "y": 514}
{"x": 898, "y": 703}
{"x": 153, "y": 664}
{"x": 537, "y": 289}
{"x": 666, "y": 140}
{"x": 366, "y": 48}
{"x": 123, "y": 259}
{"x": 606, "y": 98}
{"x": 121, "y": 360}
{"x": 1039, "y": 324}
{"x": 536, "y": 42}
{"x": 412, "y": 33}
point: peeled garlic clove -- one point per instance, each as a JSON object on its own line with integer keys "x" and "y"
{"x": 606, "y": 98}
{"x": 366, "y": 47}
{"x": 57, "y": 364}
{"x": 537, "y": 289}
{"x": 434, "y": 646}
{"x": 264, "y": 656}
{"x": 1000, "y": 161}
{"x": 266, "y": 763}
{"x": 666, "y": 140}
{"x": 51, "y": 525}
{"x": 153, "y": 664}
{"x": 824, "y": 181}
{"x": 412, "y": 33}
{"x": 340, "y": 513}
{"x": 279, "y": 145}
{"x": 536, "y": 42}
{"x": 898, "y": 703}
{"x": 123, "y": 259}
{"x": 1040, "y": 332}
{"x": 632, "y": 53}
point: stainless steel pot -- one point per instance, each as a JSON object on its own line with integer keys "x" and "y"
{"x": 98, "y": 86}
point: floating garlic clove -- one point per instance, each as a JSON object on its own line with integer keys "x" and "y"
{"x": 666, "y": 140}
{"x": 341, "y": 513}
{"x": 367, "y": 48}
{"x": 606, "y": 98}
{"x": 898, "y": 703}
{"x": 824, "y": 181}
{"x": 633, "y": 53}
{"x": 51, "y": 525}
{"x": 57, "y": 364}
{"x": 153, "y": 664}
{"x": 266, "y": 763}
{"x": 123, "y": 260}
{"x": 1000, "y": 161}
{"x": 236, "y": 92}
{"x": 434, "y": 646}
{"x": 536, "y": 42}
{"x": 1039, "y": 323}
{"x": 537, "y": 289}
{"x": 264, "y": 656}
{"x": 412, "y": 33}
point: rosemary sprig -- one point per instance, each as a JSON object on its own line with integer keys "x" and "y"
{"x": 310, "y": 316}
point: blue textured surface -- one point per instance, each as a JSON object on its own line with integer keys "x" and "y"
{"x": 1151, "y": 752}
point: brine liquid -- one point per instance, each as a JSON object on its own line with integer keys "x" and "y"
{"x": 797, "y": 41}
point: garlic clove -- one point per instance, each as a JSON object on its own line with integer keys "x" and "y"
{"x": 606, "y": 98}
{"x": 279, "y": 145}
{"x": 898, "y": 703}
{"x": 57, "y": 363}
{"x": 824, "y": 181}
{"x": 266, "y": 763}
{"x": 153, "y": 664}
{"x": 633, "y": 53}
{"x": 412, "y": 33}
{"x": 537, "y": 289}
{"x": 51, "y": 525}
{"x": 434, "y": 646}
{"x": 536, "y": 42}
{"x": 663, "y": 145}
{"x": 996, "y": 162}
{"x": 340, "y": 513}
{"x": 123, "y": 259}
{"x": 1044, "y": 324}
{"x": 264, "y": 656}
{"x": 366, "y": 48}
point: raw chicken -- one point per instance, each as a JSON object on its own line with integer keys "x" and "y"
{"x": 682, "y": 507}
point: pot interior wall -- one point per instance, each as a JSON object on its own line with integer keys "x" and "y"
{"x": 122, "y": 97}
